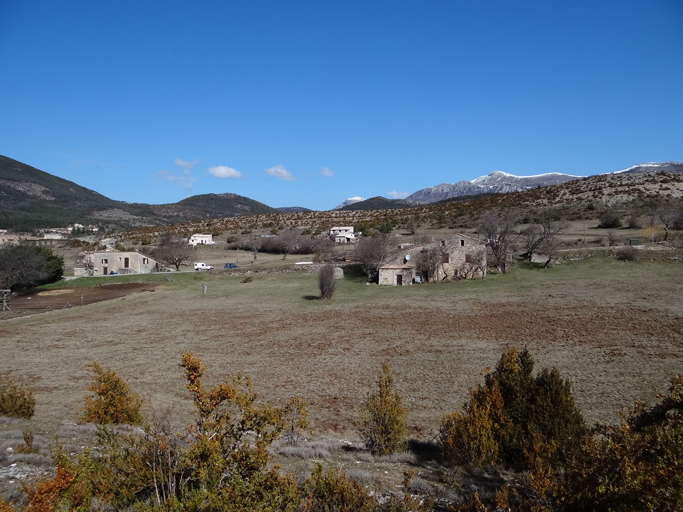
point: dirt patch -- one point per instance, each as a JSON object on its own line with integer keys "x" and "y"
{"x": 72, "y": 297}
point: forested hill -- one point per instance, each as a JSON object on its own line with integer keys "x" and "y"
{"x": 31, "y": 198}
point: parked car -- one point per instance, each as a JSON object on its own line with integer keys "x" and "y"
{"x": 202, "y": 266}
{"x": 230, "y": 265}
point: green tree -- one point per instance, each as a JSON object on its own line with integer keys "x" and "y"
{"x": 384, "y": 417}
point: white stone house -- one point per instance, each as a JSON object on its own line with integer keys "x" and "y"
{"x": 455, "y": 257}
{"x": 345, "y": 238}
{"x": 104, "y": 263}
{"x": 199, "y": 239}
{"x": 341, "y": 230}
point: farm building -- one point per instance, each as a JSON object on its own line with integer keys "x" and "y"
{"x": 199, "y": 239}
{"x": 455, "y": 257}
{"x": 341, "y": 230}
{"x": 345, "y": 238}
{"x": 118, "y": 262}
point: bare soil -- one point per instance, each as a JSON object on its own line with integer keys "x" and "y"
{"x": 64, "y": 298}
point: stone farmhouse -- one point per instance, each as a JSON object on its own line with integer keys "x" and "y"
{"x": 102, "y": 263}
{"x": 455, "y": 257}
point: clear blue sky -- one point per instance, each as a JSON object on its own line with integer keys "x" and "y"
{"x": 308, "y": 103}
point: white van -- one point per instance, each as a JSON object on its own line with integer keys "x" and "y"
{"x": 202, "y": 266}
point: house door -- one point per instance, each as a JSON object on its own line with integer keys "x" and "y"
{"x": 399, "y": 280}
{"x": 126, "y": 261}
{"x": 104, "y": 271}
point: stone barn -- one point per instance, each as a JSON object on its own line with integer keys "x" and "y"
{"x": 119, "y": 262}
{"x": 454, "y": 257}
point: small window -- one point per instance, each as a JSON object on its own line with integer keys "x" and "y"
{"x": 145, "y": 261}
{"x": 105, "y": 261}
{"x": 443, "y": 243}
{"x": 462, "y": 243}
{"x": 468, "y": 258}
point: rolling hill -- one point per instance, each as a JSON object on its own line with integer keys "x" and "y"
{"x": 31, "y": 198}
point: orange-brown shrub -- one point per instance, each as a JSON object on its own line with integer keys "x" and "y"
{"x": 111, "y": 401}
{"x": 17, "y": 398}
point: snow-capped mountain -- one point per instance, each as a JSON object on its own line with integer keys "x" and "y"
{"x": 653, "y": 167}
{"x": 349, "y": 201}
{"x": 496, "y": 182}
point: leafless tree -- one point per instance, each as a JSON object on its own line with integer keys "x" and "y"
{"x": 474, "y": 267}
{"x": 322, "y": 249}
{"x": 326, "y": 281}
{"x": 254, "y": 245}
{"x": 428, "y": 261}
{"x": 612, "y": 238}
{"x": 372, "y": 252}
{"x": 173, "y": 250}
{"x": 532, "y": 236}
{"x": 499, "y": 229}
{"x": 548, "y": 228}
{"x": 289, "y": 241}
{"x": 668, "y": 212}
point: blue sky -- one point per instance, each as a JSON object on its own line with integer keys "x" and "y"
{"x": 308, "y": 103}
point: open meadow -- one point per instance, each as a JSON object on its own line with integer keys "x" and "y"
{"x": 614, "y": 328}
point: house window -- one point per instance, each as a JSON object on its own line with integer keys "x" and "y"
{"x": 468, "y": 258}
{"x": 105, "y": 261}
{"x": 145, "y": 261}
{"x": 443, "y": 243}
{"x": 462, "y": 243}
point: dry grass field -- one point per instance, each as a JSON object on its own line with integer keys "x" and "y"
{"x": 614, "y": 328}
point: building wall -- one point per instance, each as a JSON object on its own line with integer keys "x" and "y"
{"x": 466, "y": 257}
{"x": 137, "y": 263}
{"x": 388, "y": 276}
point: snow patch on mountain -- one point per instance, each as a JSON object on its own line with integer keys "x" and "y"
{"x": 349, "y": 201}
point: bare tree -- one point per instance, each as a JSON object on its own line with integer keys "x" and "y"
{"x": 372, "y": 252}
{"x": 290, "y": 241}
{"x": 254, "y": 245}
{"x": 326, "y": 281}
{"x": 428, "y": 261}
{"x": 173, "y": 250}
{"x": 474, "y": 267}
{"x": 322, "y": 249}
{"x": 499, "y": 229}
{"x": 668, "y": 212}
{"x": 548, "y": 228}
{"x": 532, "y": 236}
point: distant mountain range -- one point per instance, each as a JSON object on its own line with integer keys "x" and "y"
{"x": 30, "y": 198}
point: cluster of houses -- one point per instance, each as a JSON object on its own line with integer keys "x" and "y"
{"x": 46, "y": 237}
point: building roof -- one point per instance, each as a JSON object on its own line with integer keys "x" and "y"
{"x": 395, "y": 267}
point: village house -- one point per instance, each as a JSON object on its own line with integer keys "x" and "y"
{"x": 341, "y": 230}
{"x": 454, "y": 257}
{"x": 102, "y": 263}
{"x": 345, "y": 238}
{"x": 199, "y": 239}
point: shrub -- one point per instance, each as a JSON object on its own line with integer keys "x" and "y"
{"x": 112, "y": 401}
{"x": 326, "y": 281}
{"x": 295, "y": 419}
{"x": 384, "y": 417}
{"x": 609, "y": 220}
{"x": 504, "y": 416}
{"x": 627, "y": 253}
{"x": 17, "y": 398}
